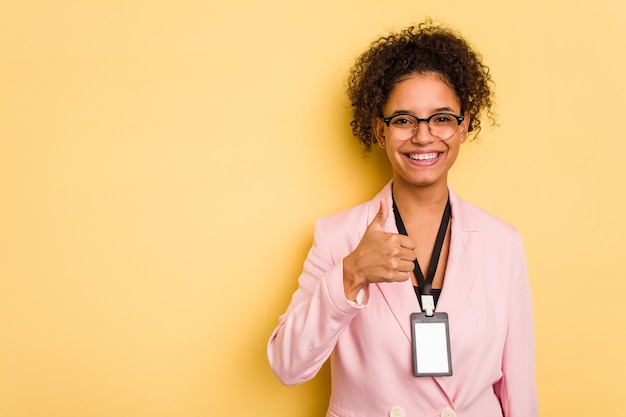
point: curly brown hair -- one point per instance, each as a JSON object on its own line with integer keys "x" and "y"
{"x": 427, "y": 48}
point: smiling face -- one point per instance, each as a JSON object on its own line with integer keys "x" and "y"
{"x": 422, "y": 161}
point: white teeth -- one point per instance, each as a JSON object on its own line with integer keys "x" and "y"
{"x": 423, "y": 156}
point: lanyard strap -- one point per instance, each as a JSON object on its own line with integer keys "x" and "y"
{"x": 426, "y": 284}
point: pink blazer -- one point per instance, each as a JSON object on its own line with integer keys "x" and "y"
{"x": 486, "y": 294}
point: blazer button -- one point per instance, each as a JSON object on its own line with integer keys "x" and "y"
{"x": 396, "y": 412}
{"x": 448, "y": 412}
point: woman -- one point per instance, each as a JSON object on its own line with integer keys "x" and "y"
{"x": 372, "y": 277}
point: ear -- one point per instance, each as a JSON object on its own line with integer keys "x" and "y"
{"x": 378, "y": 126}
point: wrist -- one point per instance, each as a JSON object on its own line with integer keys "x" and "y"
{"x": 352, "y": 284}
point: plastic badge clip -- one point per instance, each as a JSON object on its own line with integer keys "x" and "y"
{"x": 428, "y": 305}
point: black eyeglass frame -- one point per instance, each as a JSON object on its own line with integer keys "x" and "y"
{"x": 459, "y": 119}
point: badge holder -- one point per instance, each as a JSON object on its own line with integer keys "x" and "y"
{"x": 431, "y": 341}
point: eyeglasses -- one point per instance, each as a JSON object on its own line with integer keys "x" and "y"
{"x": 404, "y": 126}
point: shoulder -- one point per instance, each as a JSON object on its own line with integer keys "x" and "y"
{"x": 473, "y": 218}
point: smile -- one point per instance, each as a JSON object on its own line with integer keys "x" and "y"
{"x": 423, "y": 156}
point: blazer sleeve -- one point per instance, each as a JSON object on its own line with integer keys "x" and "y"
{"x": 317, "y": 315}
{"x": 517, "y": 387}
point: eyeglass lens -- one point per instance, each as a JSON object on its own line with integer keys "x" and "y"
{"x": 404, "y": 126}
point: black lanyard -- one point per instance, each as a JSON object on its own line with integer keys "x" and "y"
{"x": 426, "y": 284}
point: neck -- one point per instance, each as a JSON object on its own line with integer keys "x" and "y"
{"x": 422, "y": 201}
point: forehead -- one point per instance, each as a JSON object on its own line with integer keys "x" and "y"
{"x": 422, "y": 93}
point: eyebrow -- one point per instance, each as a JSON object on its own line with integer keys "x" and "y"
{"x": 434, "y": 111}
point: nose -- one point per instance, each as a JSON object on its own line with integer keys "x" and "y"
{"x": 422, "y": 136}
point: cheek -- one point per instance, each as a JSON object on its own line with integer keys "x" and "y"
{"x": 454, "y": 152}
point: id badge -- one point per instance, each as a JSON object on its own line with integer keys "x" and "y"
{"x": 431, "y": 345}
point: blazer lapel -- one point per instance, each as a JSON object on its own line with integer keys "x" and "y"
{"x": 466, "y": 247}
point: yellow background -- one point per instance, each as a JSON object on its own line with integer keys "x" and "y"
{"x": 162, "y": 164}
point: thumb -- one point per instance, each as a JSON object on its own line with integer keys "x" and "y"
{"x": 378, "y": 223}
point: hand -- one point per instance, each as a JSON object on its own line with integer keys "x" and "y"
{"x": 379, "y": 257}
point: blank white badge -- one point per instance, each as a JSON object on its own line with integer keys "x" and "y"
{"x": 431, "y": 345}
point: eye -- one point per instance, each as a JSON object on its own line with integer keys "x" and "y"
{"x": 443, "y": 119}
{"x": 403, "y": 121}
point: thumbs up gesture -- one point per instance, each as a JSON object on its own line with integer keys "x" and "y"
{"x": 379, "y": 257}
